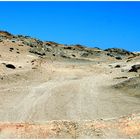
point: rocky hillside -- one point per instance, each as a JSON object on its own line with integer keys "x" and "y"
{"x": 49, "y": 48}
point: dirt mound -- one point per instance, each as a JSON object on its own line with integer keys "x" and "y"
{"x": 130, "y": 86}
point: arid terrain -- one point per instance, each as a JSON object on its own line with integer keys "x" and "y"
{"x": 51, "y": 90}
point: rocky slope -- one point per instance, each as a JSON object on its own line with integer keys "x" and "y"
{"x": 51, "y": 90}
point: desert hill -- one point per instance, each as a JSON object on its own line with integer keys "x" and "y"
{"x": 52, "y": 90}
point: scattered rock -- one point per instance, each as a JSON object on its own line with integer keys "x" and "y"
{"x": 118, "y": 53}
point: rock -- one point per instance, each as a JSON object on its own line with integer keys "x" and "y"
{"x": 51, "y": 43}
{"x": 34, "y": 67}
{"x": 64, "y": 56}
{"x": 1, "y": 40}
{"x": 38, "y": 51}
{"x": 68, "y": 47}
{"x": 20, "y": 45}
{"x": 11, "y": 48}
{"x": 84, "y": 54}
{"x": 117, "y": 66}
{"x": 73, "y": 55}
{"x": 129, "y": 60}
{"x": 13, "y": 41}
{"x": 135, "y": 68}
{"x": 118, "y": 58}
{"x": 109, "y": 54}
{"x": 122, "y": 70}
{"x": 123, "y": 77}
{"x": 10, "y": 66}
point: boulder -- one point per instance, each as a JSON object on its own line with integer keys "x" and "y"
{"x": 135, "y": 68}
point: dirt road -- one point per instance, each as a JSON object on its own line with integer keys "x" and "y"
{"x": 68, "y": 94}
